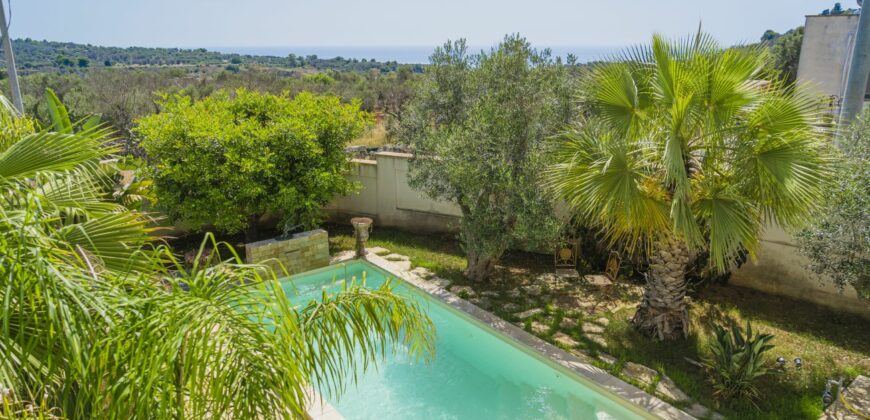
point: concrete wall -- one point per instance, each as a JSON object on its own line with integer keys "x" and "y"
{"x": 301, "y": 252}
{"x": 780, "y": 270}
{"x": 826, "y": 52}
{"x": 386, "y": 197}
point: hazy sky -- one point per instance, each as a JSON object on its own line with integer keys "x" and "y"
{"x": 208, "y": 23}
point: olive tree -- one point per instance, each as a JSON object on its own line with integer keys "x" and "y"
{"x": 837, "y": 244}
{"x": 477, "y": 124}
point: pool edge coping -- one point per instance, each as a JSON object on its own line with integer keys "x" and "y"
{"x": 600, "y": 377}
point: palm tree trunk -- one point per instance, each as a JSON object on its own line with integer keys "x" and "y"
{"x": 663, "y": 313}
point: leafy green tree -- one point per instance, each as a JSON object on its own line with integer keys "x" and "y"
{"x": 227, "y": 160}
{"x": 99, "y": 324}
{"x": 770, "y": 35}
{"x": 477, "y": 124}
{"x": 786, "y": 51}
{"x": 685, "y": 150}
{"x": 837, "y": 244}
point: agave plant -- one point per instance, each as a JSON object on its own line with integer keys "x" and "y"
{"x": 736, "y": 362}
{"x": 96, "y": 322}
{"x": 688, "y": 149}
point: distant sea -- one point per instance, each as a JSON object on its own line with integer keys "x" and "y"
{"x": 403, "y": 55}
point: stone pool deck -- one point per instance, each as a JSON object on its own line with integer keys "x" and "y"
{"x": 320, "y": 409}
{"x": 594, "y": 376}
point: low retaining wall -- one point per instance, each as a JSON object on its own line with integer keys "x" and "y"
{"x": 301, "y": 252}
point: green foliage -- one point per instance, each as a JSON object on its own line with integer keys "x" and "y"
{"x": 683, "y": 141}
{"x": 95, "y": 324}
{"x": 121, "y": 95}
{"x": 838, "y": 10}
{"x": 478, "y": 124}
{"x": 786, "y": 52}
{"x": 737, "y": 362}
{"x": 228, "y": 159}
{"x": 837, "y": 244}
{"x": 33, "y": 55}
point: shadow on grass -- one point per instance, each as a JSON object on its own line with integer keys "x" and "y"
{"x": 786, "y": 395}
{"x": 847, "y": 331}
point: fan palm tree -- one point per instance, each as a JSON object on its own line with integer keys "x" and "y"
{"x": 686, "y": 149}
{"x": 97, "y": 322}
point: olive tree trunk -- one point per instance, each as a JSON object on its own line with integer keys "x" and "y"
{"x": 480, "y": 266}
{"x": 663, "y": 314}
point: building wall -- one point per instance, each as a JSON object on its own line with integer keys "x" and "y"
{"x": 301, "y": 252}
{"x": 386, "y": 197}
{"x": 779, "y": 269}
{"x": 826, "y": 52}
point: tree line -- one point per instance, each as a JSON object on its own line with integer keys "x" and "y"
{"x": 39, "y": 56}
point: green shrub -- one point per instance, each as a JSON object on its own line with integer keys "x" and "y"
{"x": 737, "y": 361}
{"x": 227, "y": 159}
{"x": 837, "y": 243}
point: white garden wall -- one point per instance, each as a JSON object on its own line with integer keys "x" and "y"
{"x": 386, "y": 197}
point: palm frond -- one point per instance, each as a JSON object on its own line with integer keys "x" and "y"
{"x": 48, "y": 151}
{"x": 610, "y": 183}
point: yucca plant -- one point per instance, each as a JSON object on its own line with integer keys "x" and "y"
{"x": 95, "y": 322}
{"x": 687, "y": 148}
{"x": 737, "y": 362}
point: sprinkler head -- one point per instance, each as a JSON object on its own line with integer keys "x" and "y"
{"x": 798, "y": 363}
{"x": 780, "y": 361}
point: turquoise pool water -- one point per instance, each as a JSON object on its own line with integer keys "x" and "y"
{"x": 477, "y": 372}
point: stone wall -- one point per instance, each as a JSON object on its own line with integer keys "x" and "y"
{"x": 302, "y": 252}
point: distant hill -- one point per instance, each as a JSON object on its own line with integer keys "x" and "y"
{"x": 41, "y": 56}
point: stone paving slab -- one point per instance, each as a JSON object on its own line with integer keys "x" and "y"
{"x": 565, "y": 340}
{"x": 457, "y": 290}
{"x": 639, "y": 372}
{"x": 857, "y": 396}
{"x": 378, "y": 250}
{"x": 540, "y": 328}
{"x": 568, "y": 323}
{"x": 597, "y": 339}
{"x": 597, "y": 280}
{"x": 530, "y": 313}
{"x": 592, "y": 328}
{"x": 440, "y": 282}
{"x": 422, "y": 272}
{"x": 667, "y": 388}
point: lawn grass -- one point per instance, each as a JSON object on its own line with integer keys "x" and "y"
{"x": 830, "y": 344}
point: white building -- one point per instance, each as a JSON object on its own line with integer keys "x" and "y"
{"x": 826, "y": 53}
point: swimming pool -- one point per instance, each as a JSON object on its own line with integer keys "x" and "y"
{"x": 477, "y": 372}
